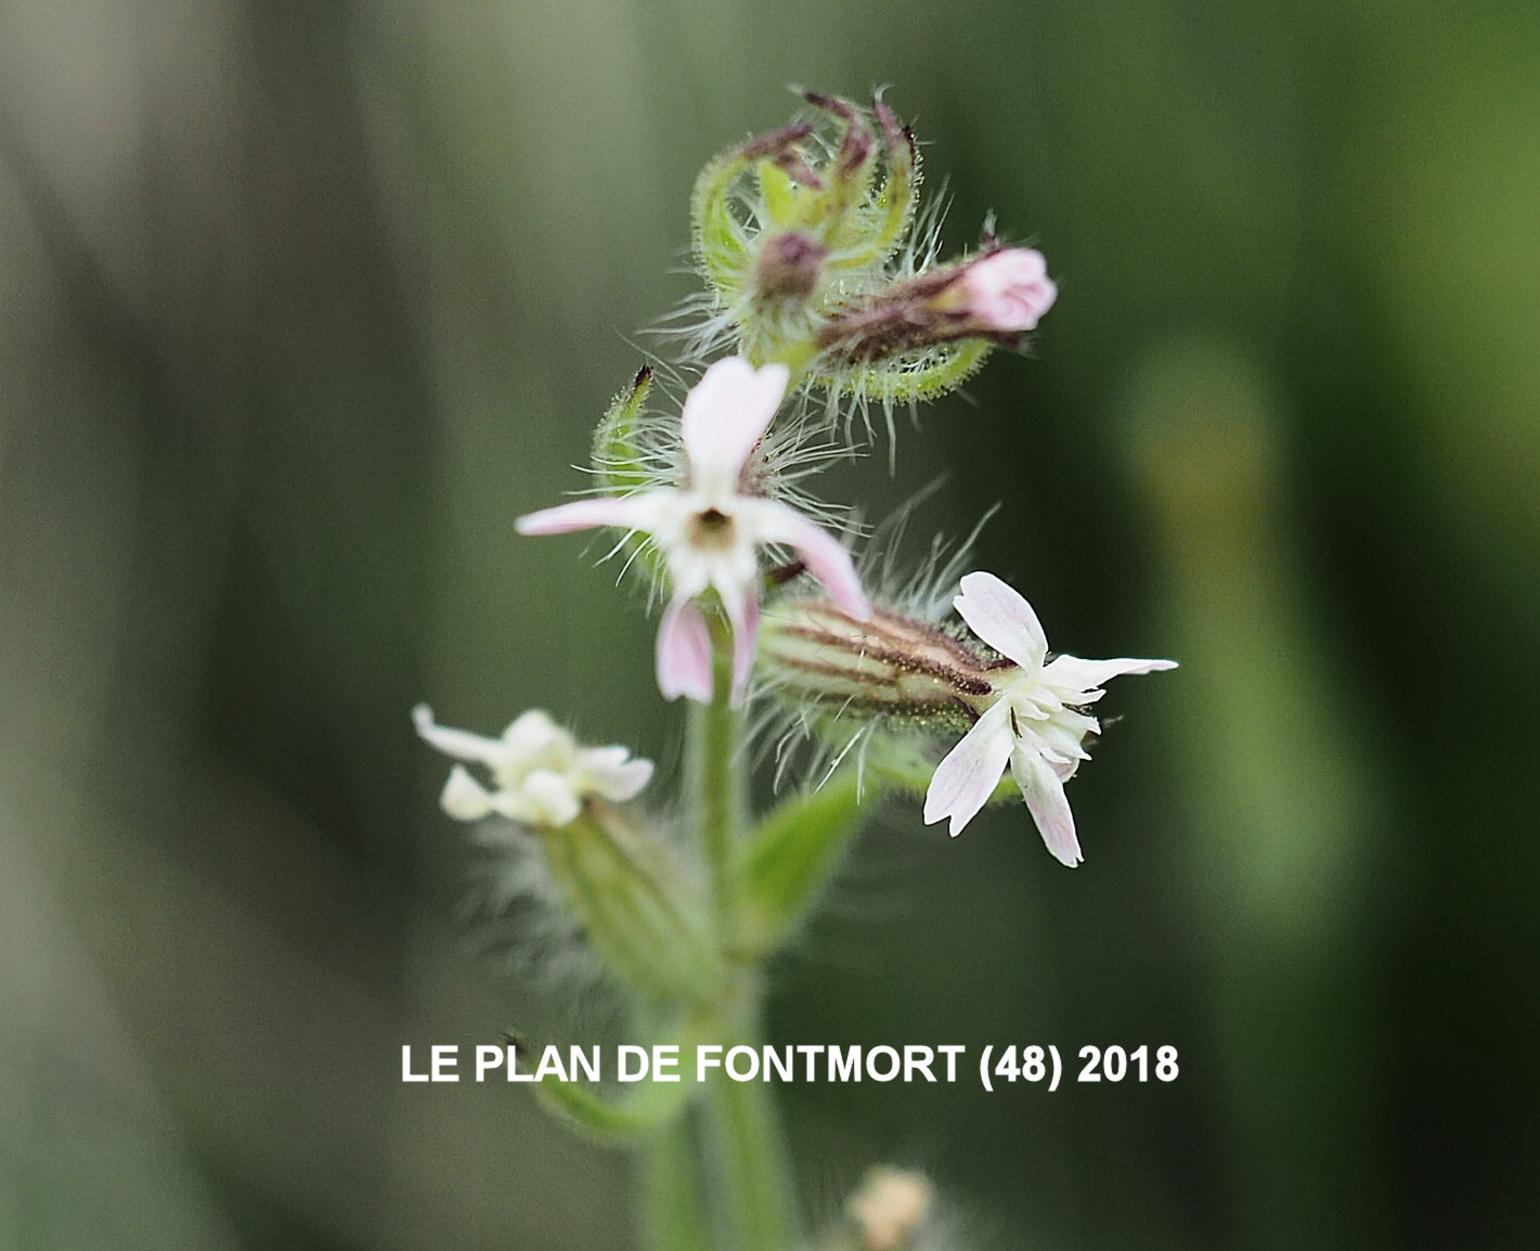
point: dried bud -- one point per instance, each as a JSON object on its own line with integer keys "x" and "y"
{"x": 889, "y": 1208}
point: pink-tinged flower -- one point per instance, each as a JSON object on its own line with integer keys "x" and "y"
{"x": 709, "y": 531}
{"x": 540, "y": 775}
{"x": 1034, "y": 724}
{"x": 1009, "y": 290}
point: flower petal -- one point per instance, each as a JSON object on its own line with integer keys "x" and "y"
{"x": 1002, "y": 618}
{"x": 1043, "y": 790}
{"x": 964, "y": 781}
{"x": 725, "y": 414}
{"x": 1071, "y": 673}
{"x": 825, "y": 556}
{"x": 461, "y": 744}
{"x": 464, "y": 798}
{"x": 1009, "y": 290}
{"x": 612, "y": 775}
{"x": 546, "y": 798}
{"x": 632, "y": 512}
{"x": 684, "y": 653}
{"x": 533, "y": 732}
{"x": 743, "y": 612}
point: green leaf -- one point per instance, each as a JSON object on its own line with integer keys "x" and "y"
{"x": 792, "y": 856}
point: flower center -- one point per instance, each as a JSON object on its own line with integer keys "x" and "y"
{"x": 712, "y": 529}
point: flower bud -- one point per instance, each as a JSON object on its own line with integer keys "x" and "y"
{"x": 993, "y": 298}
{"x": 816, "y": 256}
{"x": 1007, "y": 291}
{"x": 788, "y": 267}
{"x": 787, "y": 222}
{"x": 887, "y": 666}
{"x": 889, "y": 1208}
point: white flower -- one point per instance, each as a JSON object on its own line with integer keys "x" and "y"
{"x": 1034, "y": 723}
{"x": 539, "y": 773}
{"x": 709, "y": 531}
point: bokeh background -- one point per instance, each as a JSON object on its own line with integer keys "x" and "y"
{"x": 301, "y": 302}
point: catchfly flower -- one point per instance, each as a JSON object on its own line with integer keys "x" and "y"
{"x": 540, "y": 775}
{"x": 709, "y": 529}
{"x": 1035, "y": 723}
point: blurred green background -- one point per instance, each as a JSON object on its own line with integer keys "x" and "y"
{"x": 302, "y": 302}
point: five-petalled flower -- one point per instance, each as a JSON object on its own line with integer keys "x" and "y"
{"x": 709, "y": 528}
{"x": 1009, "y": 290}
{"x": 1035, "y": 723}
{"x": 540, "y": 774}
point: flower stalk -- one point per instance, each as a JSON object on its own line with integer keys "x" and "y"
{"x": 719, "y": 787}
{"x": 750, "y": 1160}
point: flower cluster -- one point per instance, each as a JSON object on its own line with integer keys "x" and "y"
{"x": 822, "y": 275}
{"x": 822, "y": 257}
{"x": 815, "y": 252}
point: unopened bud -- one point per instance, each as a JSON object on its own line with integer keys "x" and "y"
{"x": 1007, "y": 291}
{"x": 886, "y": 666}
{"x": 889, "y": 1208}
{"x": 993, "y": 298}
{"x": 788, "y": 267}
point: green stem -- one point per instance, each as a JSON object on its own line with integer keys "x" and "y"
{"x": 746, "y": 1166}
{"x": 673, "y": 1207}
{"x": 718, "y": 786}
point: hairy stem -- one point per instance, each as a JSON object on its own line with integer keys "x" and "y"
{"x": 746, "y": 1166}
{"x": 715, "y": 773}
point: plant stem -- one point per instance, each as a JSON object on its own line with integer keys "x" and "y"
{"x": 746, "y": 1164}
{"x": 719, "y": 787}
{"x": 673, "y": 1208}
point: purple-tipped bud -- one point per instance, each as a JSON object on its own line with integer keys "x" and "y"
{"x": 788, "y": 267}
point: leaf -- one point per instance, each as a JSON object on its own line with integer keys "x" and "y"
{"x": 792, "y": 856}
